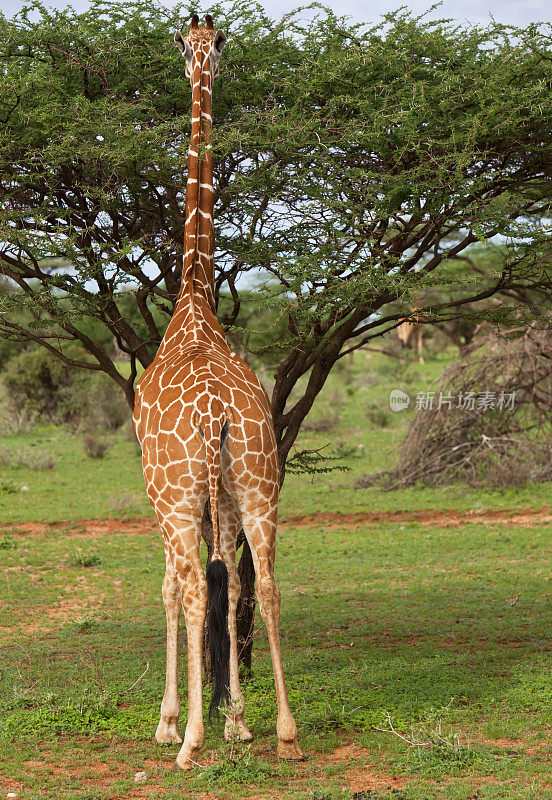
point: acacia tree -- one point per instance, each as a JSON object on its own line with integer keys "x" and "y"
{"x": 353, "y": 163}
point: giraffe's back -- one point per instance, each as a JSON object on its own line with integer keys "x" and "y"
{"x": 172, "y": 398}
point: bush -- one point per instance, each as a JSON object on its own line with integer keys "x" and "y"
{"x": 26, "y": 457}
{"x": 378, "y": 416}
{"x": 12, "y": 419}
{"x": 125, "y": 503}
{"x": 499, "y": 434}
{"x": 323, "y": 423}
{"x": 94, "y": 445}
{"x": 86, "y": 560}
{"x": 41, "y": 387}
{"x": 96, "y": 403}
{"x": 37, "y": 383}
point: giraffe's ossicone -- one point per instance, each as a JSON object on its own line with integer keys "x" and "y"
{"x": 205, "y": 427}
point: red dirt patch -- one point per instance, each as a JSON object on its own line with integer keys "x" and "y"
{"x": 446, "y": 518}
{"x": 140, "y": 526}
{"x": 430, "y": 517}
{"x": 361, "y": 778}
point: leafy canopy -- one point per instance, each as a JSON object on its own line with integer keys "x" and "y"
{"x": 354, "y": 163}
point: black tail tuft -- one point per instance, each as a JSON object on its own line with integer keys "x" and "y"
{"x": 218, "y": 636}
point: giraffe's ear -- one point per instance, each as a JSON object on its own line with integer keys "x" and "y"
{"x": 183, "y": 46}
{"x": 220, "y": 41}
{"x": 218, "y": 47}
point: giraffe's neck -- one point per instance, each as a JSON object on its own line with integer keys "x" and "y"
{"x": 198, "y": 270}
{"x": 194, "y": 320}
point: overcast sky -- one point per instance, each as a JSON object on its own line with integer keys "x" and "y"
{"x": 516, "y": 12}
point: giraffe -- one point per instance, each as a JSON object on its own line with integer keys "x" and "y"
{"x": 204, "y": 423}
{"x": 410, "y": 332}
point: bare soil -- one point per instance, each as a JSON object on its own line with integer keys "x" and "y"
{"x": 442, "y": 518}
{"x": 95, "y": 774}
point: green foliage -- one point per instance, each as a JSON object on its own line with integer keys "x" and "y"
{"x": 261, "y": 323}
{"x": 235, "y": 765}
{"x": 314, "y": 462}
{"x": 37, "y": 381}
{"x": 8, "y": 349}
{"x": 349, "y": 176}
{"x": 7, "y": 487}
{"x": 96, "y": 403}
{"x": 75, "y": 628}
{"x": 86, "y": 715}
{"x": 86, "y": 560}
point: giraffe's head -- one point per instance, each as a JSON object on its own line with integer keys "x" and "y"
{"x": 202, "y": 47}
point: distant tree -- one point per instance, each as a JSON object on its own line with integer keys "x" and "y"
{"x": 487, "y": 259}
{"x": 353, "y": 162}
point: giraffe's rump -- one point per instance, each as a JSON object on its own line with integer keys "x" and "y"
{"x": 191, "y": 393}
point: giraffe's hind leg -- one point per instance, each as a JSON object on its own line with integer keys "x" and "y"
{"x": 229, "y": 526}
{"x": 259, "y": 524}
{"x": 182, "y": 533}
{"x": 167, "y": 730}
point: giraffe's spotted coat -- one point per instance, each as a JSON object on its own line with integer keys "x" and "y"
{"x": 195, "y": 390}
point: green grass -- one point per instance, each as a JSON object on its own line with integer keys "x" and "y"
{"x": 78, "y": 487}
{"x": 356, "y": 398}
{"x": 447, "y": 629}
{"x": 442, "y": 633}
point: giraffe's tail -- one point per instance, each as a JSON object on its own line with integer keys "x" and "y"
{"x": 214, "y": 427}
{"x": 218, "y": 636}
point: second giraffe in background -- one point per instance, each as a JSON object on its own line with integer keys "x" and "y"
{"x": 410, "y": 334}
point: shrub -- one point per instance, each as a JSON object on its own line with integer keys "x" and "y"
{"x": 86, "y": 560}
{"x": 26, "y": 457}
{"x": 377, "y": 416}
{"x": 95, "y": 402}
{"x": 125, "y": 503}
{"x": 36, "y": 382}
{"x": 323, "y": 423}
{"x": 7, "y": 543}
{"x": 503, "y": 437}
{"x": 95, "y": 446}
{"x": 38, "y": 386}
{"x": 12, "y": 419}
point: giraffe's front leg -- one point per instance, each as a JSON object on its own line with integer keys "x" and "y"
{"x": 235, "y": 715}
{"x": 167, "y": 730}
{"x": 230, "y": 525}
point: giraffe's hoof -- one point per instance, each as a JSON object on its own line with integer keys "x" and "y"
{"x": 290, "y": 751}
{"x": 237, "y": 730}
{"x": 186, "y": 763}
{"x": 167, "y": 733}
